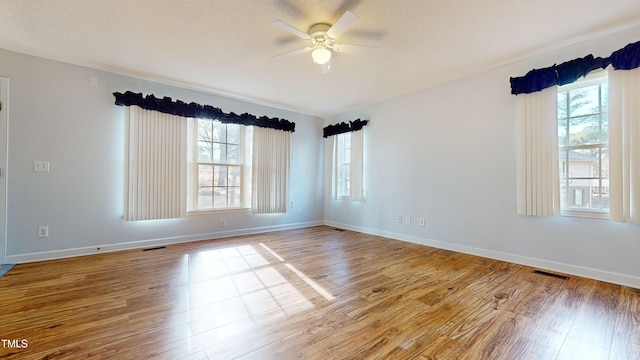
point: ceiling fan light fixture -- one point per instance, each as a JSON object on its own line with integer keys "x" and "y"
{"x": 321, "y": 55}
{"x": 323, "y": 38}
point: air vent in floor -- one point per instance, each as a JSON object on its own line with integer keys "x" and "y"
{"x": 546, "y": 273}
{"x": 154, "y": 248}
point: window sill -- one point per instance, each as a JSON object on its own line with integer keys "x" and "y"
{"x": 587, "y": 214}
{"x": 218, "y": 211}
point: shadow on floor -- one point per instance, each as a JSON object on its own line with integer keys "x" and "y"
{"x": 5, "y": 269}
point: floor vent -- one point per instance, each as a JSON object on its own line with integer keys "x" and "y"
{"x": 338, "y": 229}
{"x": 154, "y": 248}
{"x": 546, "y": 273}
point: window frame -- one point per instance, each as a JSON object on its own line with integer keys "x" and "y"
{"x": 594, "y": 78}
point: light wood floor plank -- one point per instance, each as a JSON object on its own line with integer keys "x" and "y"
{"x": 313, "y": 293}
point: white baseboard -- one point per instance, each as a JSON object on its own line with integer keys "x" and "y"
{"x": 98, "y": 249}
{"x": 596, "y": 274}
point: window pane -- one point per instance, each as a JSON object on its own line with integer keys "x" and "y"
{"x": 205, "y": 128}
{"x": 205, "y": 197}
{"x": 604, "y": 134}
{"x": 204, "y": 151}
{"x": 596, "y": 166}
{"x": 578, "y": 195}
{"x": 562, "y": 131}
{"x": 584, "y": 130}
{"x": 604, "y": 160}
{"x": 233, "y": 134}
{"x": 563, "y": 193}
{"x": 233, "y": 176}
{"x": 563, "y": 164}
{"x": 343, "y": 166}
{"x": 564, "y": 181}
{"x": 219, "y": 132}
{"x": 604, "y": 97}
{"x": 583, "y": 163}
{"x": 219, "y": 153}
{"x": 600, "y": 197}
{"x": 343, "y": 180}
{"x": 600, "y": 187}
{"x": 233, "y": 154}
{"x": 585, "y": 187}
{"x": 584, "y": 101}
{"x": 220, "y": 176}
{"x": 234, "y": 196}
{"x": 219, "y": 197}
{"x": 562, "y": 105}
{"x": 205, "y": 175}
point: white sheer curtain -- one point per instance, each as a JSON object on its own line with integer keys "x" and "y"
{"x": 356, "y": 171}
{"x": 192, "y": 164}
{"x": 156, "y": 153}
{"x": 331, "y": 153}
{"x": 624, "y": 145}
{"x": 538, "y": 189}
{"x": 270, "y": 170}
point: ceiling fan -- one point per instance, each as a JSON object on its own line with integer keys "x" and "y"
{"x": 323, "y": 40}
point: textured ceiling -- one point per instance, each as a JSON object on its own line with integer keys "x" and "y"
{"x": 227, "y": 46}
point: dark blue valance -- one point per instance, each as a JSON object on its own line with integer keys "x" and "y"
{"x": 535, "y": 80}
{"x": 627, "y": 58}
{"x": 342, "y": 127}
{"x": 193, "y": 110}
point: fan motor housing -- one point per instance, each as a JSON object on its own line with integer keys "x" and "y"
{"x": 318, "y": 31}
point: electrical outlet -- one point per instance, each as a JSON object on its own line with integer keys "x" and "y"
{"x": 399, "y": 219}
{"x": 407, "y": 220}
{"x": 223, "y": 222}
{"x": 422, "y": 222}
{"x": 41, "y": 166}
{"x": 43, "y": 231}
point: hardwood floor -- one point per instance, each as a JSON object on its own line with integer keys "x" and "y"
{"x": 314, "y": 293}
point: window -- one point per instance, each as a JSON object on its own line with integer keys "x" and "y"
{"x": 343, "y": 165}
{"x": 583, "y": 143}
{"x": 345, "y": 162}
{"x": 179, "y": 164}
{"x": 219, "y": 174}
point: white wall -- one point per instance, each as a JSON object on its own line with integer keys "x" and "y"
{"x": 55, "y": 114}
{"x": 448, "y": 154}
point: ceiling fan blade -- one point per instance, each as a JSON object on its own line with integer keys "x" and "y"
{"x": 354, "y": 49}
{"x": 345, "y": 22}
{"x": 292, "y": 53}
{"x": 290, "y": 29}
